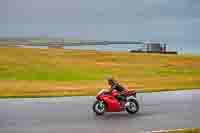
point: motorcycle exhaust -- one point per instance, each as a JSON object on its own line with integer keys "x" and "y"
{"x": 127, "y": 104}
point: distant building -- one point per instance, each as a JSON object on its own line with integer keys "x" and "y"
{"x": 154, "y": 48}
{"x": 56, "y": 44}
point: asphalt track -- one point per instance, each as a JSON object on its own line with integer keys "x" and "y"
{"x": 165, "y": 110}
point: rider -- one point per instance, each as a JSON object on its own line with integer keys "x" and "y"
{"x": 114, "y": 85}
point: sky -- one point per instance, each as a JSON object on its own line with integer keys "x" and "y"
{"x": 176, "y": 22}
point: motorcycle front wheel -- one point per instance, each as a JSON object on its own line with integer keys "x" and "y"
{"x": 99, "y": 107}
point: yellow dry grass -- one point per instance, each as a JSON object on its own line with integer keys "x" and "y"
{"x": 58, "y": 72}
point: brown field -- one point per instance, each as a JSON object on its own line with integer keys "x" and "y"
{"x": 57, "y": 72}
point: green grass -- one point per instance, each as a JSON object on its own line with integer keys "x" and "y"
{"x": 197, "y": 130}
{"x": 57, "y": 72}
{"x": 45, "y": 72}
{"x": 46, "y": 67}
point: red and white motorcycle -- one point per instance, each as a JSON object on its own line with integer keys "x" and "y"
{"x": 107, "y": 102}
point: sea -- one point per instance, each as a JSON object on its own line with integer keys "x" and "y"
{"x": 180, "y": 48}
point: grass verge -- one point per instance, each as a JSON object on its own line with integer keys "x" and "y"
{"x": 193, "y": 130}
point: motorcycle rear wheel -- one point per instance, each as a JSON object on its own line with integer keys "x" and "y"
{"x": 133, "y": 106}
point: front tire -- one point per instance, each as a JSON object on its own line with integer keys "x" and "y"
{"x": 133, "y": 106}
{"x": 99, "y": 107}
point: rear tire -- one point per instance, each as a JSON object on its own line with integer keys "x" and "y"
{"x": 133, "y": 106}
{"x": 97, "y": 109}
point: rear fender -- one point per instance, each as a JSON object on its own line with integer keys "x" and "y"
{"x": 133, "y": 94}
{"x": 131, "y": 97}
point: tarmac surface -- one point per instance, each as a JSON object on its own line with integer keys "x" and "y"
{"x": 158, "y": 111}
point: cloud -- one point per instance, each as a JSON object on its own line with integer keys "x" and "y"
{"x": 102, "y": 18}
